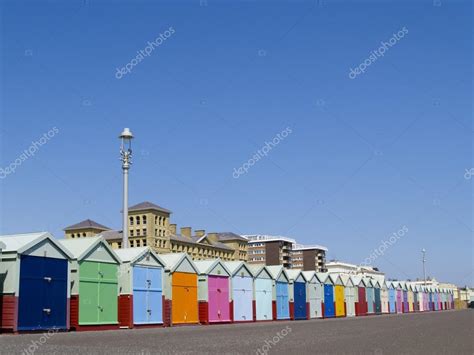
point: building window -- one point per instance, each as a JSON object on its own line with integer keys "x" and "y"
{"x": 132, "y": 243}
{"x": 72, "y": 235}
{"x": 138, "y": 232}
{"x": 131, "y": 221}
{"x": 83, "y": 234}
{"x": 119, "y": 244}
{"x": 144, "y": 243}
{"x": 144, "y": 219}
{"x": 138, "y": 219}
{"x": 131, "y": 233}
{"x": 144, "y": 231}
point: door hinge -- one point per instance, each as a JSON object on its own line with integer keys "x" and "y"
{"x": 47, "y": 310}
{"x": 47, "y": 278}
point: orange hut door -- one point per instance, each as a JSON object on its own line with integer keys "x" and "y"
{"x": 184, "y": 298}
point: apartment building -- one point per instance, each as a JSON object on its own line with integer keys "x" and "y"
{"x": 149, "y": 225}
{"x": 269, "y": 250}
{"x": 278, "y": 250}
{"x": 309, "y": 257}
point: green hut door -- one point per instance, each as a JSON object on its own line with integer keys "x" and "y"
{"x": 98, "y": 292}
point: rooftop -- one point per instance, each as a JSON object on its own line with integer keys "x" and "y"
{"x": 87, "y": 224}
{"x": 143, "y": 206}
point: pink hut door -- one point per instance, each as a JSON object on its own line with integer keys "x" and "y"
{"x": 399, "y": 301}
{"x": 219, "y": 309}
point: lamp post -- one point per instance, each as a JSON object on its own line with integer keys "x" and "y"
{"x": 423, "y": 251}
{"x": 126, "y": 158}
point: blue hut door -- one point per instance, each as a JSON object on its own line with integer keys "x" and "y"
{"x": 147, "y": 295}
{"x": 300, "y": 300}
{"x": 155, "y": 299}
{"x": 140, "y": 295}
{"x": 378, "y": 301}
{"x": 282, "y": 301}
{"x": 328, "y": 301}
{"x": 43, "y": 293}
{"x": 242, "y": 290}
{"x": 391, "y": 300}
{"x": 370, "y": 299}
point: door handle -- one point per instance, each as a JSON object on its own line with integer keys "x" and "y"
{"x": 47, "y": 311}
{"x": 100, "y": 308}
{"x": 101, "y": 274}
{"x": 47, "y": 278}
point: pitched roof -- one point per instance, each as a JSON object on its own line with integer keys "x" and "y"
{"x": 147, "y": 206}
{"x": 196, "y": 240}
{"x": 230, "y": 236}
{"x": 111, "y": 235}
{"x": 87, "y": 224}
{"x": 276, "y": 270}
{"x": 79, "y": 248}
{"x": 206, "y": 266}
{"x": 20, "y": 243}
{"x": 130, "y": 255}
{"x": 173, "y": 260}
{"x": 293, "y": 274}
{"x": 234, "y": 266}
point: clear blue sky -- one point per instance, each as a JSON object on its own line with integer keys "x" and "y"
{"x": 366, "y": 156}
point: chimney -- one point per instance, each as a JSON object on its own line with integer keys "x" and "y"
{"x": 186, "y": 232}
{"x": 200, "y": 232}
{"x": 173, "y": 229}
{"x": 212, "y": 237}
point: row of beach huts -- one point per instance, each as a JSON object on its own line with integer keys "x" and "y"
{"x": 82, "y": 284}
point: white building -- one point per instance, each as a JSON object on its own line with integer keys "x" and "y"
{"x": 339, "y": 267}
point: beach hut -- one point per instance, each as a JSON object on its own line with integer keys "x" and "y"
{"x": 370, "y": 296}
{"x": 421, "y": 298}
{"x": 140, "y": 280}
{"x": 94, "y": 284}
{"x": 213, "y": 291}
{"x": 339, "y": 298}
{"x": 438, "y": 298}
{"x": 411, "y": 298}
{"x": 34, "y": 280}
{"x": 361, "y": 299}
{"x": 392, "y": 297}
{"x": 329, "y": 304}
{"x": 430, "y": 298}
{"x": 416, "y": 294}
{"x": 399, "y": 297}
{"x": 349, "y": 294}
{"x": 241, "y": 291}
{"x": 384, "y": 297}
{"x": 404, "y": 287}
{"x": 281, "y": 300}
{"x": 426, "y": 299}
{"x": 298, "y": 298}
{"x": 315, "y": 294}
{"x": 181, "y": 289}
{"x": 377, "y": 297}
{"x": 263, "y": 293}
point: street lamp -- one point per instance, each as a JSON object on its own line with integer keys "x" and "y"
{"x": 126, "y": 158}
{"x": 423, "y": 251}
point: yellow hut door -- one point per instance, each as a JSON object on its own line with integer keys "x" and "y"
{"x": 340, "y": 312}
